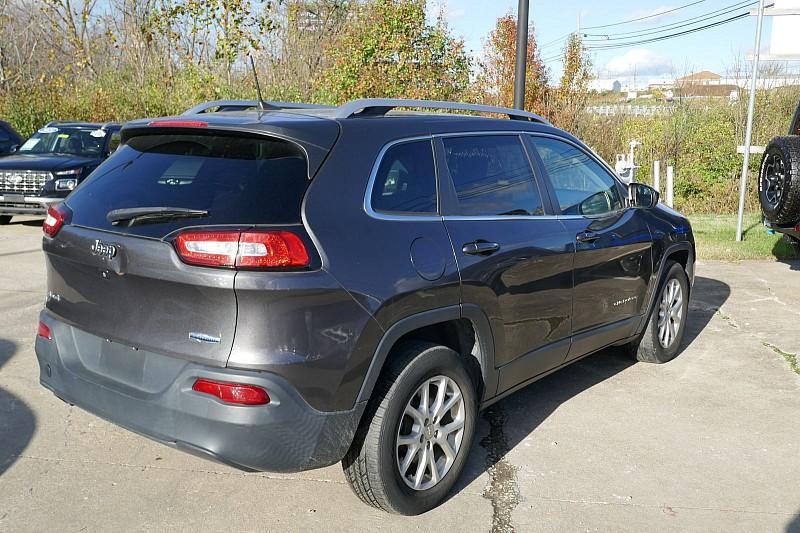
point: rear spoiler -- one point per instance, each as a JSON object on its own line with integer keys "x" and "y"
{"x": 316, "y": 142}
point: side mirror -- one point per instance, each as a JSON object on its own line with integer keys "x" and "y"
{"x": 13, "y": 149}
{"x": 641, "y": 195}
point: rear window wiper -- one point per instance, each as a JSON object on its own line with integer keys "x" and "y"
{"x": 131, "y": 216}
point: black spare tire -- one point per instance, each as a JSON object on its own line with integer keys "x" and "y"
{"x": 779, "y": 180}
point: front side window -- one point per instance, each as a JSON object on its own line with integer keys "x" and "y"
{"x": 492, "y": 176}
{"x": 582, "y": 185}
{"x": 406, "y": 180}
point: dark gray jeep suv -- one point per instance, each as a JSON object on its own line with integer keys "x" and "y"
{"x": 281, "y": 289}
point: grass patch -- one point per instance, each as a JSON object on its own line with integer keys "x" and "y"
{"x": 715, "y": 238}
{"x": 790, "y": 357}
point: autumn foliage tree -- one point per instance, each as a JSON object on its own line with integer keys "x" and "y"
{"x": 391, "y": 50}
{"x": 495, "y": 82}
{"x": 572, "y": 92}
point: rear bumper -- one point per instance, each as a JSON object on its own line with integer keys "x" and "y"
{"x": 792, "y": 231}
{"x": 152, "y": 395}
{"x": 30, "y": 205}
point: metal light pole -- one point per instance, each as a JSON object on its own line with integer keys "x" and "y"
{"x": 748, "y": 136}
{"x": 522, "y": 54}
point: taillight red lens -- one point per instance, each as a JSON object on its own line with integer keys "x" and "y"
{"x": 56, "y": 216}
{"x": 178, "y": 124}
{"x": 232, "y": 392}
{"x": 247, "y": 250}
{"x": 44, "y": 331}
{"x": 271, "y": 249}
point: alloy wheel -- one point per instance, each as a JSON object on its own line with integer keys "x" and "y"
{"x": 430, "y": 432}
{"x": 670, "y": 313}
{"x": 774, "y": 180}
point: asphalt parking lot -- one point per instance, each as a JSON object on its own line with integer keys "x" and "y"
{"x": 708, "y": 442}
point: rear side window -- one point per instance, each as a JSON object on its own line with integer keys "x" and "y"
{"x": 238, "y": 180}
{"x": 582, "y": 186}
{"x": 492, "y": 176}
{"x": 113, "y": 142}
{"x": 406, "y": 180}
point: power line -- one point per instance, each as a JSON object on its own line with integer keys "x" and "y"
{"x": 655, "y": 29}
{"x": 655, "y": 39}
{"x": 680, "y": 24}
{"x": 660, "y": 13}
{"x": 671, "y": 36}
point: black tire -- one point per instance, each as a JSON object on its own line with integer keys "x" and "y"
{"x": 648, "y": 348}
{"x": 779, "y": 180}
{"x": 791, "y": 240}
{"x": 371, "y": 464}
{"x": 5, "y": 219}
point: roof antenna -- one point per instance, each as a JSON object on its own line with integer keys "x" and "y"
{"x": 261, "y": 106}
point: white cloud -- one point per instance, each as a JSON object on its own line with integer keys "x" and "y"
{"x": 450, "y": 12}
{"x": 658, "y": 14}
{"x": 639, "y": 60}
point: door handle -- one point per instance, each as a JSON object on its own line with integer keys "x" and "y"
{"x": 480, "y": 248}
{"x": 587, "y": 236}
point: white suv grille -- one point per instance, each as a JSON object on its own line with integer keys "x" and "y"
{"x": 23, "y": 181}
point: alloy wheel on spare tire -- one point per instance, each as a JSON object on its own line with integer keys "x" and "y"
{"x": 779, "y": 180}
{"x": 415, "y": 436}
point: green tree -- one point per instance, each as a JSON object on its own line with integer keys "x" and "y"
{"x": 390, "y": 50}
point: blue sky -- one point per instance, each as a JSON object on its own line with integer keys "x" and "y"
{"x": 715, "y": 49}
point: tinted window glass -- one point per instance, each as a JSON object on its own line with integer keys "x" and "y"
{"x": 113, "y": 142}
{"x": 85, "y": 142}
{"x": 406, "y": 180}
{"x": 238, "y": 180}
{"x": 492, "y": 176}
{"x": 582, "y": 186}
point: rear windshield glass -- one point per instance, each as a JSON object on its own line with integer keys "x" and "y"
{"x": 237, "y": 180}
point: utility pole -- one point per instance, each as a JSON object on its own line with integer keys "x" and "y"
{"x": 748, "y": 135}
{"x": 522, "y": 54}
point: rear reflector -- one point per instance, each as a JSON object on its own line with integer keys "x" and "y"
{"x": 232, "y": 392}
{"x": 43, "y": 331}
{"x": 56, "y": 216}
{"x": 242, "y": 249}
{"x": 178, "y": 124}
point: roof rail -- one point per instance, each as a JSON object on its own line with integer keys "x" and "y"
{"x": 241, "y": 104}
{"x": 371, "y": 107}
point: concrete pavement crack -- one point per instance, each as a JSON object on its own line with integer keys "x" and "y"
{"x": 503, "y": 490}
{"x": 791, "y": 358}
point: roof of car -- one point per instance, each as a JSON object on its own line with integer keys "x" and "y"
{"x": 79, "y": 124}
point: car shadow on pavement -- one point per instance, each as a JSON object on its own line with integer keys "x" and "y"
{"x": 708, "y": 296}
{"x": 17, "y": 421}
{"x": 531, "y": 405}
{"x": 794, "y": 525}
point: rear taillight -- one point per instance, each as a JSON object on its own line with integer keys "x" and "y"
{"x": 178, "y": 124}
{"x": 56, "y": 216}
{"x": 242, "y": 249}
{"x": 237, "y": 393}
{"x": 43, "y": 331}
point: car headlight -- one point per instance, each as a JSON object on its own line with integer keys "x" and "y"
{"x": 66, "y": 184}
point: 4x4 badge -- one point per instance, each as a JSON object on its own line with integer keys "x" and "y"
{"x": 103, "y": 249}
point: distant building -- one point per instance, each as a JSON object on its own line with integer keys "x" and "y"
{"x": 704, "y": 77}
{"x": 605, "y": 85}
{"x": 660, "y": 84}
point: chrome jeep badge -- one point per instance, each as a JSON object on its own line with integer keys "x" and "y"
{"x": 103, "y": 249}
